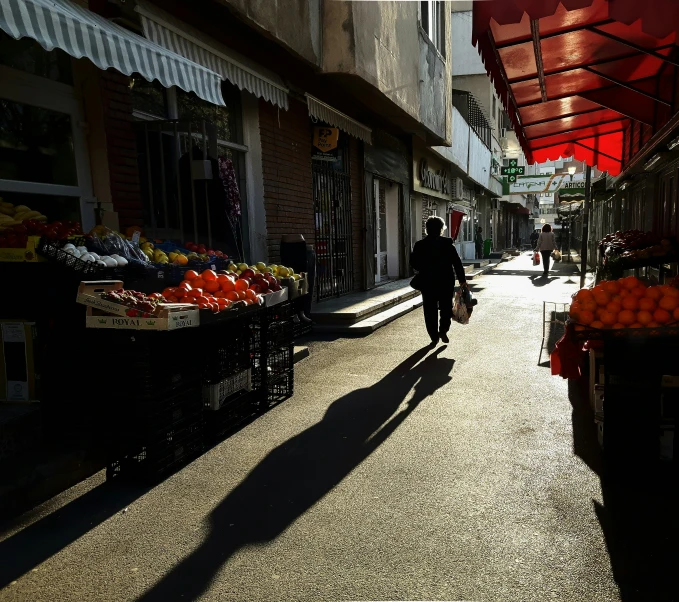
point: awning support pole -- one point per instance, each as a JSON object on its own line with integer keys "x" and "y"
{"x": 585, "y": 226}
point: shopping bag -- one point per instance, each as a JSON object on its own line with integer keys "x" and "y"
{"x": 463, "y": 305}
{"x": 556, "y": 255}
{"x": 536, "y": 258}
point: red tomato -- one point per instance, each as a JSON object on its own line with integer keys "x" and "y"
{"x": 172, "y": 299}
{"x": 208, "y": 275}
{"x": 190, "y": 275}
{"x": 198, "y": 283}
{"x": 185, "y": 285}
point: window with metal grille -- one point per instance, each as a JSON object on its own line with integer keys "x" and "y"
{"x": 432, "y": 18}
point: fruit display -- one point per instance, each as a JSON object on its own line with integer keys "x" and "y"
{"x": 141, "y": 305}
{"x": 20, "y": 222}
{"x": 216, "y": 291}
{"x": 15, "y": 216}
{"x": 200, "y": 249}
{"x": 261, "y": 269}
{"x": 625, "y": 303}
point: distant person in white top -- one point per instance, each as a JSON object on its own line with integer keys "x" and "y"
{"x": 546, "y": 245}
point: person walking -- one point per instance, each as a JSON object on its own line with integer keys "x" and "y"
{"x": 545, "y": 245}
{"x": 534, "y": 239}
{"x": 478, "y": 243}
{"x": 437, "y": 263}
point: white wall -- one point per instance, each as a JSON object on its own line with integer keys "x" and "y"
{"x": 466, "y": 59}
{"x": 479, "y": 161}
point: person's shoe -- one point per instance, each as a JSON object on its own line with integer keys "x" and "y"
{"x": 444, "y": 337}
{"x": 434, "y": 341}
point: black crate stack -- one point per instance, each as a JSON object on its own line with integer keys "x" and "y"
{"x": 640, "y": 401}
{"x": 273, "y": 332}
{"x": 229, "y": 398}
{"x": 151, "y": 417}
{"x": 300, "y": 328}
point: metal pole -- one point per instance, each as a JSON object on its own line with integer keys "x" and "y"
{"x": 585, "y": 226}
{"x": 570, "y": 224}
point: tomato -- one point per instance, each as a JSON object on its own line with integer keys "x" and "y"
{"x": 227, "y": 285}
{"x": 215, "y": 307}
{"x": 242, "y": 295}
{"x": 171, "y": 299}
{"x": 232, "y": 296}
{"x": 242, "y": 284}
{"x": 198, "y": 283}
{"x": 220, "y": 295}
{"x": 208, "y": 275}
{"x": 190, "y": 275}
{"x": 185, "y": 285}
{"x": 251, "y": 294}
{"x": 212, "y": 286}
{"x": 169, "y": 292}
{"x": 223, "y": 302}
{"x": 195, "y": 292}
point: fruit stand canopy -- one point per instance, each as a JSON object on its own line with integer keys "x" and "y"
{"x": 575, "y": 75}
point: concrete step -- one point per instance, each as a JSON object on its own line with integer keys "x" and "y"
{"x": 372, "y": 323}
{"x": 475, "y": 263}
{"x": 356, "y": 307}
{"x": 299, "y": 353}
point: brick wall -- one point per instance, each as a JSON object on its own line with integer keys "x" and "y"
{"x": 286, "y": 163}
{"x": 357, "y": 209}
{"x": 121, "y": 143}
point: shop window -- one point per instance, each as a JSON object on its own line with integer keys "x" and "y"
{"x": 36, "y": 145}
{"x": 149, "y": 99}
{"x": 432, "y": 15}
{"x": 226, "y": 119}
{"x": 28, "y": 56}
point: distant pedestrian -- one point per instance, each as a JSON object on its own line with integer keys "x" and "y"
{"x": 534, "y": 239}
{"x": 437, "y": 263}
{"x": 478, "y": 243}
{"x": 545, "y": 245}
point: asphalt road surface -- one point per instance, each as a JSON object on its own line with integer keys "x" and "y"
{"x": 395, "y": 472}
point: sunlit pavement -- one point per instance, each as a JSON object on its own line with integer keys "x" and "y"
{"x": 395, "y": 473}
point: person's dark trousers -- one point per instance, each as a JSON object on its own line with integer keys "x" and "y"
{"x": 432, "y": 304}
{"x": 545, "y": 260}
{"x": 479, "y": 251}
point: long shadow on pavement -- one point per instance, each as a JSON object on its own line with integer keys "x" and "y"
{"x": 638, "y": 517}
{"x": 299, "y": 472}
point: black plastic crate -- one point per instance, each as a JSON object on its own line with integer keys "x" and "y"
{"x": 269, "y": 336}
{"x": 157, "y": 458}
{"x": 226, "y": 350}
{"x": 231, "y": 416}
{"x": 272, "y": 364}
{"x": 280, "y": 388}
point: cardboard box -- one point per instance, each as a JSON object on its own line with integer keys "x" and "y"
{"x": 276, "y": 298}
{"x": 172, "y": 317}
{"x": 19, "y": 373}
{"x": 28, "y": 254}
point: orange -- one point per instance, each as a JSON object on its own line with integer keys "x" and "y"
{"x": 652, "y": 325}
{"x": 599, "y": 311}
{"x": 662, "y": 316}
{"x": 636, "y": 325}
{"x": 617, "y": 298}
{"x": 181, "y": 260}
{"x": 198, "y": 282}
{"x": 624, "y": 293}
{"x": 630, "y": 282}
{"x": 589, "y": 305}
{"x": 647, "y": 304}
{"x": 608, "y": 318}
{"x": 602, "y": 297}
{"x": 579, "y": 327}
{"x": 618, "y": 326}
{"x": 241, "y": 285}
{"x": 630, "y": 302}
{"x": 627, "y": 317}
{"x": 575, "y": 309}
{"x": 190, "y": 275}
{"x": 226, "y": 285}
{"x": 212, "y": 286}
{"x": 597, "y": 324}
{"x": 653, "y": 292}
{"x": 675, "y": 314}
{"x": 669, "y": 303}
{"x": 583, "y": 295}
{"x": 638, "y": 292}
{"x": 611, "y": 287}
{"x": 669, "y": 291}
{"x": 232, "y": 296}
{"x": 614, "y": 307}
{"x": 208, "y": 275}
{"x": 585, "y": 317}
{"x": 644, "y": 317}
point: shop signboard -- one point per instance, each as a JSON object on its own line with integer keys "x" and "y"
{"x": 326, "y": 143}
{"x": 513, "y": 170}
{"x": 544, "y": 184}
{"x": 431, "y": 176}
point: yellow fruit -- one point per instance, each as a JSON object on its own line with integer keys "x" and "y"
{"x": 172, "y": 256}
{"x": 22, "y": 208}
{"x": 181, "y": 260}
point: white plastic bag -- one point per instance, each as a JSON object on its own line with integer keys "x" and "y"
{"x": 460, "y": 312}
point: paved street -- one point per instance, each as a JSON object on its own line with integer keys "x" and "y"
{"x": 394, "y": 473}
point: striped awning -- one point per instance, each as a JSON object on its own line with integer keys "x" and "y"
{"x": 82, "y": 33}
{"x": 324, "y": 112}
{"x": 165, "y": 30}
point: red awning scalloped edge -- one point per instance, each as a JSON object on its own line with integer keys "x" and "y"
{"x": 659, "y": 18}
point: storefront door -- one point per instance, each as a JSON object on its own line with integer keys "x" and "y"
{"x": 381, "y": 233}
{"x": 44, "y": 161}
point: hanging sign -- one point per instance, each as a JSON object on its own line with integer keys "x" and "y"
{"x": 326, "y": 142}
{"x": 512, "y": 170}
{"x": 544, "y": 184}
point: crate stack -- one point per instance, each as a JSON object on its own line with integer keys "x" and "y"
{"x": 273, "y": 332}
{"x": 229, "y": 398}
{"x": 637, "y": 408}
{"x": 152, "y": 419}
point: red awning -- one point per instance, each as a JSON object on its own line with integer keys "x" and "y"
{"x": 593, "y": 79}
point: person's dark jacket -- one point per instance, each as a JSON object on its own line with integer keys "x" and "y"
{"x": 437, "y": 262}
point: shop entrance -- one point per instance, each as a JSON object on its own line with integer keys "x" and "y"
{"x": 332, "y": 208}
{"x": 387, "y": 230}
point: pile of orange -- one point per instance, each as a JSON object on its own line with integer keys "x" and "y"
{"x": 212, "y": 291}
{"x": 625, "y": 303}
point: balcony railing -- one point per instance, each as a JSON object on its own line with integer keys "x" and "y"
{"x": 473, "y": 114}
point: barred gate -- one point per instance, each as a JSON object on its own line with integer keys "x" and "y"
{"x": 332, "y": 208}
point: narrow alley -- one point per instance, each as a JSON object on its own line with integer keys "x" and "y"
{"x": 395, "y": 472}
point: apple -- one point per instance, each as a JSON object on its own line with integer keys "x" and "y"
{"x": 248, "y": 273}
{"x": 210, "y": 252}
{"x": 256, "y": 288}
{"x": 263, "y": 285}
{"x": 261, "y": 266}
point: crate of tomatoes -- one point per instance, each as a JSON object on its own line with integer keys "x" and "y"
{"x": 626, "y": 307}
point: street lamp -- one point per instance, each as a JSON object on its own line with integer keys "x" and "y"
{"x": 571, "y": 171}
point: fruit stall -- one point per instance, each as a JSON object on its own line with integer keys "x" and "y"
{"x": 147, "y": 350}
{"x": 621, "y": 342}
